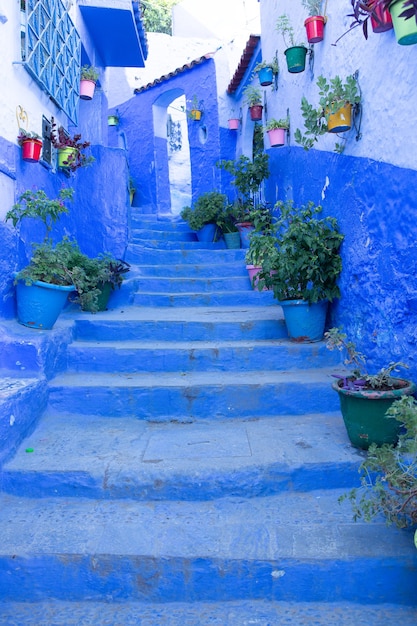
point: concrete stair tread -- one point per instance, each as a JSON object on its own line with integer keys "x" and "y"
{"x": 248, "y": 344}
{"x": 240, "y": 613}
{"x": 126, "y": 457}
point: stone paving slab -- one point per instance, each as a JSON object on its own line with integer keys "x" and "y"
{"x": 249, "y": 613}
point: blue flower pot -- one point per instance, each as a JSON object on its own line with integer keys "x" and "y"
{"x": 305, "y": 322}
{"x": 207, "y": 233}
{"x": 39, "y": 304}
{"x": 266, "y": 76}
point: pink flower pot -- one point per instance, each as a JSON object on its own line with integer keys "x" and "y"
{"x": 315, "y": 28}
{"x": 87, "y": 88}
{"x": 253, "y": 271}
{"x": 276, "y": 137}
{"x": 233, "y": 124}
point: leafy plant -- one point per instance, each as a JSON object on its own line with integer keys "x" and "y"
{"x": 157, "y": 15}
{"x": 35, "y": 204}
{"x": 252, "y": 96}
{"x": 263, "y": 239}
{"x": 49, "y": 263}
{"x": 228, "y": 218}
{"x": 88, "y": 72}
{"x": 274, "y": 65}
{"x": 24, "y": 135}
{"x": 359, "y": 378}
{"x": 389, "y": 473}
{"x": 334, "y": 94}
{"x": 313, "y": 6}
{"x": 61, "y": 140}
{"x": 284, "y": 27}
{"x": 248, "y": 176}
{"x": 272, "y": 124}
{"x": 207, "y": 209}
{"x": 307, "y": 262}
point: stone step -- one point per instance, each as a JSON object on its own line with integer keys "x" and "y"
{"x": 192, "y": 284}
{"x": 168, "y": 244}
{"x": 177, "y": 324}
{"x": 191, "y": 356}
{"x": 237, "y": 613}
{"x": 193, "y": 396}
{"x": 150, "y": 256}
{"x": 296, "y": 547}
{"x": 212, "y": 298}
{"x": 206, "y": 270}
{"x": 155, "y": 234}
{"x": 74, "y": 455}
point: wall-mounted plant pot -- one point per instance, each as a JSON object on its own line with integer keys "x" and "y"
{"x": 341, "y": 121}
{"x": 305, "y": 322}
{"x": 256, "y": 112}
{"x": 276, "y": 137}
{"x": 39, "y": 304}
{"x": 381, "y": 19}
{"x": 405, "y": 30}
{"x": 233, "y": 124}
{"x": 31, "y": 150}
{"x": 87, "y": 88}
{"x": 266, "y": 76}
{"x": 195, "y": 115}
{"x": 315, "y": 28}
{"x": 113, "y": 120}
{"x": 296, "y": 59}
{"x": 66, "y": 157}
{"x": 232, "y": 240}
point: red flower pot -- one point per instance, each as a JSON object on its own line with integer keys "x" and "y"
{"x": 315, "y": 28}
{"x": 381, "y": 20}
{"x": 31, "y": 150}
{"x": 256, "y": 112}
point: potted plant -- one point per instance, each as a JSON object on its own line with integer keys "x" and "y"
{"x": 196, "y": 109}
{"x": 71, "y": 150}
{"x": 276, "y": 130}
{"x": 42, "y": 287}
{"x": 404, "y": 19}
{"x": 262, "y": 243}
{"x": 227, "y": 222}
{"x": 388, "y": 475}
{"x": 295, "y": 53}
{"x": 113, "y": 120}
{"x": 31, "y": 144}
{"x": 314, "y": 24}
{"x": 248, "y": 176}
{"x": 363, "y": 10}
{"x": 334, "y": 111}
{"x": 304, "y": 270}
{"x": 253, "y": 99}
{"x": 365, "y": 398}
{"x": 89, "y": 78}
{"x": 204, "y": 216}
{"x": 267, "y": 71}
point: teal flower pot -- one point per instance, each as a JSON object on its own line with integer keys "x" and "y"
{"x": 305, "y": 322}
{"x": 296, "y": 59}
{"x": 39, "y": 304}
{"x": 232, "y": 240}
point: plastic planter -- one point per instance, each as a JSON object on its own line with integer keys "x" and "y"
{"x": 305, "y": 322}
{"x": 296, "y": 59}
{"x": 195, "y": 115}
{"x": 232, "y": 240}
{"x": 341, "y": 121}
{"x": 31, "y": 150}
{"x": 39, "y": 304}
{"x": 276, "y": 137}
{"x": 405, "y": 30}
{"x": 207, "y": 233}
{"x": 256, "y": 112}
{"x": 245, "y": 228}
{"x": 381, "y": 21}
{"x": 234, "y": 123}
{"x": 315, "y": 28}
{"x": 87, "y": 88}
{"x": 266, "y": 76}
{"x": 66, "y": 157}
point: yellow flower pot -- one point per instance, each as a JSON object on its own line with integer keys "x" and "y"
{"x": 340, "y": 121}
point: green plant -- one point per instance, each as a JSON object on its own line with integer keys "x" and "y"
{"x": 252, "y": 96}
{"x": 88, "y": 72}
{"x": 24, "y": 135}
{"x": 35, "y": 204}
{"x": 49, "y": 263}
{"x": 388, "y": 475}
{"x": 228, "y": 218}
{"x": 248, "y": 176}
{"x": 281, "y": 123}
{"x": 61, "y": 140}
{"x": 263, "y": 239}
{"x": 284, "y": 27}
{"x": 334, "y": 94}
{"x": 313, "y": 6}
{"x": 207, "y": 209}
{"x": 307, "y": 261}
{"x": 359, "y": 378}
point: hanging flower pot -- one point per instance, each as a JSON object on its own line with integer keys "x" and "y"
{"x": 87, "y": 88}
{"x": 113, "y": 120}
{"x": 296, "y": 59}
{"x": 195, "y": 114}
{"x": 233, "y": 124}
{"x": 276, "y": 137}
{"x": 256, "y": 112}
{"x": 31, "y": 150}
{"x": 405, "y": 29}
{"x": 265, "y": 76}
{"x": 341, "y": 121}
{"x": 67, "y": 157}
{"x": 381, "y": 19}
{"x": 315, "y": 28}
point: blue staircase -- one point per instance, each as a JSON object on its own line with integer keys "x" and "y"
{"x": 182, "y": 462}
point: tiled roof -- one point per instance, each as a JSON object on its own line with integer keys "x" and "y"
{"x": 244, "y": 62}
{"x": 179, "y": 70}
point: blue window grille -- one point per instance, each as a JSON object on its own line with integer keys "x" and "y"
{"x": 53, "y": 52}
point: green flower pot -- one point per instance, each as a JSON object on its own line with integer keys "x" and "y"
{"x": 232, "y": 240}
{"x": 405, "y": 30}
{"x": 296, "y": 59}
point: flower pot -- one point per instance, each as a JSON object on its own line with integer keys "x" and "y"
{"x": 207, "y": 233}
{"x": 256, "y": 112}
{"x": 31, "y": 150}
{"x": 405, "y": 30}
{"x": 266, "y": 76}
{"x": 276, "y": 137}
{"x": 296, "y": 59}
{"x": 195, "y": 115}
{"x": 102, "y": 298}
{"x": 87, "y": 88}
{"x": 253, "y": 271}
{"x": 305, "y": 322}
{"x": 39, "y": 304}
{"x": 245, "y": 228}
{"x": 315, "y": 28}
{"x": 232, "y": 240}
{"x": 364, "y": 411}
{"x": 234, "y": 124}
{"x": 113, "y": 120}
{"x": 341, "y": 121}
{"x": 381, "y": 20}
{"x": 66, "y": 157}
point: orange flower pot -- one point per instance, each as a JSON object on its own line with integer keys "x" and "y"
{"x": 341, "y": 121}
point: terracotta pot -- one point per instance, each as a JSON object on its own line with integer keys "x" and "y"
{"x": 31, "y": 150}
{"x": 87, "y": 88}
{"x": 315, "y": 28}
